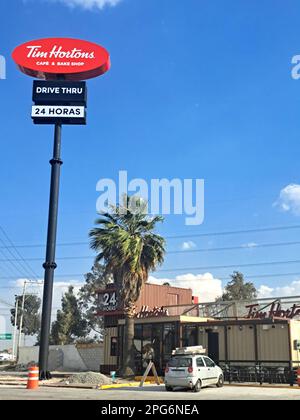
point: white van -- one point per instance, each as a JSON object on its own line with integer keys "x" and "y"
{"x": 188, "y": 368}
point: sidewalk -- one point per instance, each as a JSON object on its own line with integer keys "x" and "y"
{"x": 20, "y": 379}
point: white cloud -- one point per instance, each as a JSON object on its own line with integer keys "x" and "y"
{"x": 291, "y": 289}
{"x": 289, "y": 199}
{"x": 84, "y": 4}
{"x": 89, "y": 4}
{"x": 205, "y": 286}
{"x": 250, "y": 245}
{"x": 188, "y": 245}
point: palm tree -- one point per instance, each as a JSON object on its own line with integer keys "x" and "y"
{"x": 130, "y": 250}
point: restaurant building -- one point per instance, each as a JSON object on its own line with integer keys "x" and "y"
{"x": 245, "y": 338}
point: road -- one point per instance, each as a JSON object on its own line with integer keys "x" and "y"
{"x": 150, "y": 393}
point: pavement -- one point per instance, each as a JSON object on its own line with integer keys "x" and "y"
{"x": 149, "y": 393}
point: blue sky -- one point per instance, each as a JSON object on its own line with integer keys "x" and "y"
{"x": 197, "y": 89}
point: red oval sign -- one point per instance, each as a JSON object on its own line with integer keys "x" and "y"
{"x": 67, "y": 58}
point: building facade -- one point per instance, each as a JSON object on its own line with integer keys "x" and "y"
{"x": 262, "y": 334}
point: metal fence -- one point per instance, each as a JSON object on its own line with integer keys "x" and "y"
{"x": 270, "y": 372}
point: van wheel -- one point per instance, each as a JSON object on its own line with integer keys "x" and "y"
{"x": 220, "y": 382}
{"x": 169, "y": 388}
{"x": 197, "y": 387}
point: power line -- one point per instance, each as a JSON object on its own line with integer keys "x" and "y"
{"x": 187, "y": 235}
{"x": 57, "y": 275}
{"x": 14, "y": 266}
{"x": 6, "y": 303}
{"x": 237, "y": 247}
{"x": 247, "y": 276}
{"x": 211, "y": 267}
{"x": 28, "y": 268}
{"x": 235, "y": 232}
{"x": 21, "y": 268}
{"x": 230, "y": 248}
{"x": 44, "y": 245}
{"x": 5, "y": 266}
{"x": 259, "y": 276}
{"x": 216, "y": 267}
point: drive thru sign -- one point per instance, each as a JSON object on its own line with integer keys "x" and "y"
{"x": 59, "y": 101}
{"x": 46, "y": 114}
{"x": 59, "y": 92}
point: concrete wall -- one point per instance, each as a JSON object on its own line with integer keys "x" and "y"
{"x": 273, "y": 342}
{"x": 240, "y": 342}
{"x": 92, "y": 355}
{"x": 67, "y": 358}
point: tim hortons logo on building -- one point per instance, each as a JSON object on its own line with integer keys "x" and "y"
{"x": 275, "y": 311}
{"x": 146, "y": 312}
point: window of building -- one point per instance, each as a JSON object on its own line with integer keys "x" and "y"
{"x": 138, "y": 337}
{"x": 157, "y": 342}
{"x": 168, "y": 338}
{"x": 113, "y": 346}
{"x": 190, "y": 335}
{"x": 147, "y": 335}
{"x": 138, "y": 340}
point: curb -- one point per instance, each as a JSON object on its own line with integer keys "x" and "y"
{"x": 129, "y": 384}
{"x": 13, "y": 384}
{"x": 70, "y": 386}
{"x": 150, "y": 379}
{"x": 263, "y": 386}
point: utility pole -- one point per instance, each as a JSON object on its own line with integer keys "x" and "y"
{"x": 22, "y": 316}
{"x": 50, "y": 264}
{"x": 15, "y": 329}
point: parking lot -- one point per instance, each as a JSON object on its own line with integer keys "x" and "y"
{"x": 151, "y": 393}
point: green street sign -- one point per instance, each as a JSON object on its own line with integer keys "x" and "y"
{"x": 5, "y": 336}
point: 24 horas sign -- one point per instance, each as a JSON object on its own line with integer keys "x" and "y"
{"x": 51, "y": 58}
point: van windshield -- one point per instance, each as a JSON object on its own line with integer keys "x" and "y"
{"x": 178, "y": 361}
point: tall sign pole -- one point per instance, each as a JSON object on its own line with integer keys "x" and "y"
{"x": 60, "y": 98}
{"x": 50, "y": 264}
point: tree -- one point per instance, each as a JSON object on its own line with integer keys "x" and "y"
{"x": 238, "y": 289}
{"x": 129, "y": 249}
{"x": 31, "y": 315}
{"x": 95, "y": 280}
{"x": 69, "y": 324}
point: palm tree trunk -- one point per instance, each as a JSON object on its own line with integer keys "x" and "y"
{"x": 127, "y": 369}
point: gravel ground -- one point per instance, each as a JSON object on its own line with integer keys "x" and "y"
{"x": 89, "y": 378}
